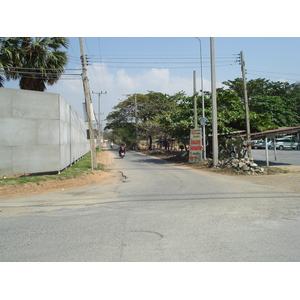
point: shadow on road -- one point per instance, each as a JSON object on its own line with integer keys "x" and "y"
{"x": 262, "y": 163}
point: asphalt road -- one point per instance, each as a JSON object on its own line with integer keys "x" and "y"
{"x": 156, "y": 213}
{"x": 288, "y": 157}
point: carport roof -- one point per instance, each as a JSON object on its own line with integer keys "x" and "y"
{"x": 273, "y": 132}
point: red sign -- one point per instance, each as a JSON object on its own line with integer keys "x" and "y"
{"x": 196, "y": 148}
{"x": 195, "y": 142}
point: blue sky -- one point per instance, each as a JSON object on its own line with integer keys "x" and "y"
{"x": 125, "y": 65}
{"x": 136, "y": 46}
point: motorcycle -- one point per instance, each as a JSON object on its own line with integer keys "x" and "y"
{"x": 122, "y": 153}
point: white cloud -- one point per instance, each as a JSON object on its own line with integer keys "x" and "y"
{"x": 154, "y": 80}
{"x": 124, "y": 81}
{"x": 282, "y": 80}
{"x": 119, "y": 82}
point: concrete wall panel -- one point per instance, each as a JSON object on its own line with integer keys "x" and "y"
{"x": 6, "y": 161}
{"x": 39, "y": 132}
{"x": 35, "y": 105}
{"x": 39, "y": 159}
{"x": 48, "y": 132}
{"x": 17, "y": 132}
{"x": 5, "y": 104}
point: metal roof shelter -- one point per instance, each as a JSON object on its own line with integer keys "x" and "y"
{"x": 272, "y": 134}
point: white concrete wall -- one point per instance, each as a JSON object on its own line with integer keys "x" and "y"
{"x": 39, "y": 132}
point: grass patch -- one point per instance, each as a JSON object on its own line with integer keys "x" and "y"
{"x": 275, "y": 170}
{"x": 82, "y": 167}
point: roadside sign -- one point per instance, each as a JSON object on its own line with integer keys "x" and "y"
{"x": 195, "y": 153}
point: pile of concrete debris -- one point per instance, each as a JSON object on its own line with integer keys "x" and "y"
{"x": 241, "y": 165}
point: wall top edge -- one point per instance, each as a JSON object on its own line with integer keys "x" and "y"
{"x": 27, "y": 91}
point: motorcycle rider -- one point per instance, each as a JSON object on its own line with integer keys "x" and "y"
{"x": 121, "y": 148}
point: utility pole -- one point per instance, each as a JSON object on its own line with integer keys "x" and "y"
{"x": 214, "y": 103}
{"x": 88, "y": 102}
{"x": 203, "y": 120}
{"x": 248, "y": 136}
{"x": 99, "y": 123}
{"x": 195, "y": 103}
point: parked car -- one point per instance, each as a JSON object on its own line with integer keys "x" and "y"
{"x": 270, "y": 144}
{"x": 257, "y": 144}
{"x": 286, "y": 143}
{"x": 260, "y": 144}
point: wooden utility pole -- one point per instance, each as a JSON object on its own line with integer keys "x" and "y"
{"x": 248, "y": 135}
{"x": 88, "y": 102}
{"x": 214, "y": 104}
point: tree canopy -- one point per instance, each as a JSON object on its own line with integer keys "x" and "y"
{"x": 271, "y": 104}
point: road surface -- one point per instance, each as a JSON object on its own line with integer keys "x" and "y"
{"x": 155, "y": 212}
{"x": 288, "y": 157}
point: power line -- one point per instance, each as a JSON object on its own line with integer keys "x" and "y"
{"x": 268, "y": 76}
{"x": 101, "y": 58}
{"x": 280, "y": 73}
{"x": 154, "y": 66}
{"x": 40, "y": 73}
{"x": 152, "y": 62}
{"x": 156, "y": 61}
{"x": 23, "y": 68}
{"x": 151, "y": 56}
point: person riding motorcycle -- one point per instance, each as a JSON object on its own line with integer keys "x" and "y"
{"x": 122, "y": 148}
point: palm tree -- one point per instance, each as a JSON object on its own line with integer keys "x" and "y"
{"x": 35, "y": 61}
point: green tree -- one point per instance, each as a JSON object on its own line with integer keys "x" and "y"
{"x": 36, "y": 62}
{"x": 231, "y": 113}
{"x": 272, "y": 104}
{"x": 122, "y": 121}
{"x": 182, "y": 118}
{"x": 151, "y": 108}
{"x": 276, "y": 109}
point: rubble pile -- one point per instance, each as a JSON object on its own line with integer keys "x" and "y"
{"x": 241, "y": 165}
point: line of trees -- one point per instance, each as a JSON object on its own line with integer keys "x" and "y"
{"x": 272, "y": 105}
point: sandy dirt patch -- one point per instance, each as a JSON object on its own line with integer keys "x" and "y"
{"x": 289, "y": 181}
{"x": 52, "y": 186}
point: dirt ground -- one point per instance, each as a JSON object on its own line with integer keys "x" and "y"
{"x": 50, "y": 186}
{"x": 289, "y": 181}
